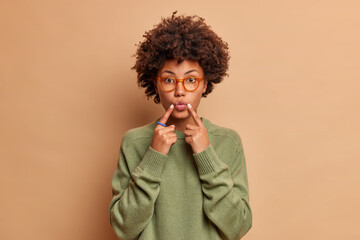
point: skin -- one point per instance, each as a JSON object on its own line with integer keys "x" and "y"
{"x": 181, "y": 120}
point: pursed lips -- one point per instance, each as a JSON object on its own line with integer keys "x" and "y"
{"x": 180, "y": 105}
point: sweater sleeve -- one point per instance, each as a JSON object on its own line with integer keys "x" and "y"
{"x": 134, "y": 194}
{"x": 226, "y": 201}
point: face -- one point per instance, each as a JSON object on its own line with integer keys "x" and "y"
{"x": 180, "y": 97}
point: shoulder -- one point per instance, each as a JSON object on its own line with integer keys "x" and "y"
{"x": 138, "y": 134}
{"x": 222, "y": 133}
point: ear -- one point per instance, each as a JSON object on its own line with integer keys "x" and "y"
{"x": 205, "y": 86}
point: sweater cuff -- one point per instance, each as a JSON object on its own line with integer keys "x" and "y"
{"x": 153, "y": 162}
{"x": 207, "y": 161}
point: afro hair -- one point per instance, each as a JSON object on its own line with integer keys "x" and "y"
{"x": 182, "y": 38}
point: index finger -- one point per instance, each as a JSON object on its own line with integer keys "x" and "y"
{"x": 167, "y": 114}
{"x": 195, "y": 116}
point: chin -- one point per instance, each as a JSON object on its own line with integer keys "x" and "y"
{"x": 180, "y": 115}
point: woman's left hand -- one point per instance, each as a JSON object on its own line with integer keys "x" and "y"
{"x": 196, "y": 135}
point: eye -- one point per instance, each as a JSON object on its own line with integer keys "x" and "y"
{"x": 168, "y": 80}
{"x": 191, "y": 80}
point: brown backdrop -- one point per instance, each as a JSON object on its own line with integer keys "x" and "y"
{"x": 67, "y": 95}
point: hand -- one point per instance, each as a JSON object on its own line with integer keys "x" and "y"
{"x": 164, "y": 137}
{"x": 196, "y": 135}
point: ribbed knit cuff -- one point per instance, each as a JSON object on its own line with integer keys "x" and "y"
{"x": 207, "y": 161}
{"x": 153, "y": 162}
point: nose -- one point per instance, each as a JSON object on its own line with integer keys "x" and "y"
{"x": 179, "y": 90}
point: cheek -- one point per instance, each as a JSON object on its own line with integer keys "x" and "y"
{"x": 165, "y": 99}
{"x": 163, "y": 96}
{"x": 197, "y": 98}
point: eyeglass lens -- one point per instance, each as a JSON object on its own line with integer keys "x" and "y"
{"x": 190, "y": 83}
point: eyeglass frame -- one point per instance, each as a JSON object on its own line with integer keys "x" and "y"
{"x": 182, "y": 81}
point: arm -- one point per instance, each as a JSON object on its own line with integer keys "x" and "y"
{"x": 134, "y": 194}
{"x": 225, "y": 188}
{"x": 226, "y": 201}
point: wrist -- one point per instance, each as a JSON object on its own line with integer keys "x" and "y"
{"x": 160, "y": 150}
{"x": 197, "y": 150}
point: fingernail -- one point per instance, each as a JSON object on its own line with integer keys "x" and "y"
{"x": 172, "y": 105}
{"x": 189, "y": 105}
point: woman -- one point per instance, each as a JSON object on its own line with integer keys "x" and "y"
{"x": 181, "y": 177}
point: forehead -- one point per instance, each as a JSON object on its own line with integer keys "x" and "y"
{"x": 181, "y": 68}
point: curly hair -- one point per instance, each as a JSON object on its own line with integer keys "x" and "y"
{"x": 181, "y": 38}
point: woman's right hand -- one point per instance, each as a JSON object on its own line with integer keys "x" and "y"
{"x": 164, "y": 137}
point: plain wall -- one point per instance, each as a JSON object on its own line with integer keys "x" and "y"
{"x": 68, "y": 94}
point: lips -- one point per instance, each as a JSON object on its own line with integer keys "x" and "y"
{"x": 180, "y": 105}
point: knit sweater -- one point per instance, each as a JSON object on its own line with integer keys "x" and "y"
{"x": 182, "y": 195}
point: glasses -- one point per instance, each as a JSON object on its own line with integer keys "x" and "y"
{"x": 169, "y": 84}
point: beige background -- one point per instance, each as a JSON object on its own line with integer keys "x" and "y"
{"x": 67, "y": 96}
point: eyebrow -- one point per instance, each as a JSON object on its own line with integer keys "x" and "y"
{"x": 190, "y": 71}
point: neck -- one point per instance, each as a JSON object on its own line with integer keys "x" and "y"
{"x": 180, "y": 124}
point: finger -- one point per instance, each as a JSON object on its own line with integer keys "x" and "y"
{"x": 171, "y": 135}
{"x": 189, "y": 132}
{"x": 167, "y": 114}
{"x": 191, "y": 127}
{"x": 167, "y": 129}
{"x": 194, "y": 115}
{"x": 168, "y": 137}
{"x": 171, "y": 140}
{"x": 189, "y": 140}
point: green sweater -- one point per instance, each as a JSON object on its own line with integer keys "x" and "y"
{"x": 183, "y": 195}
